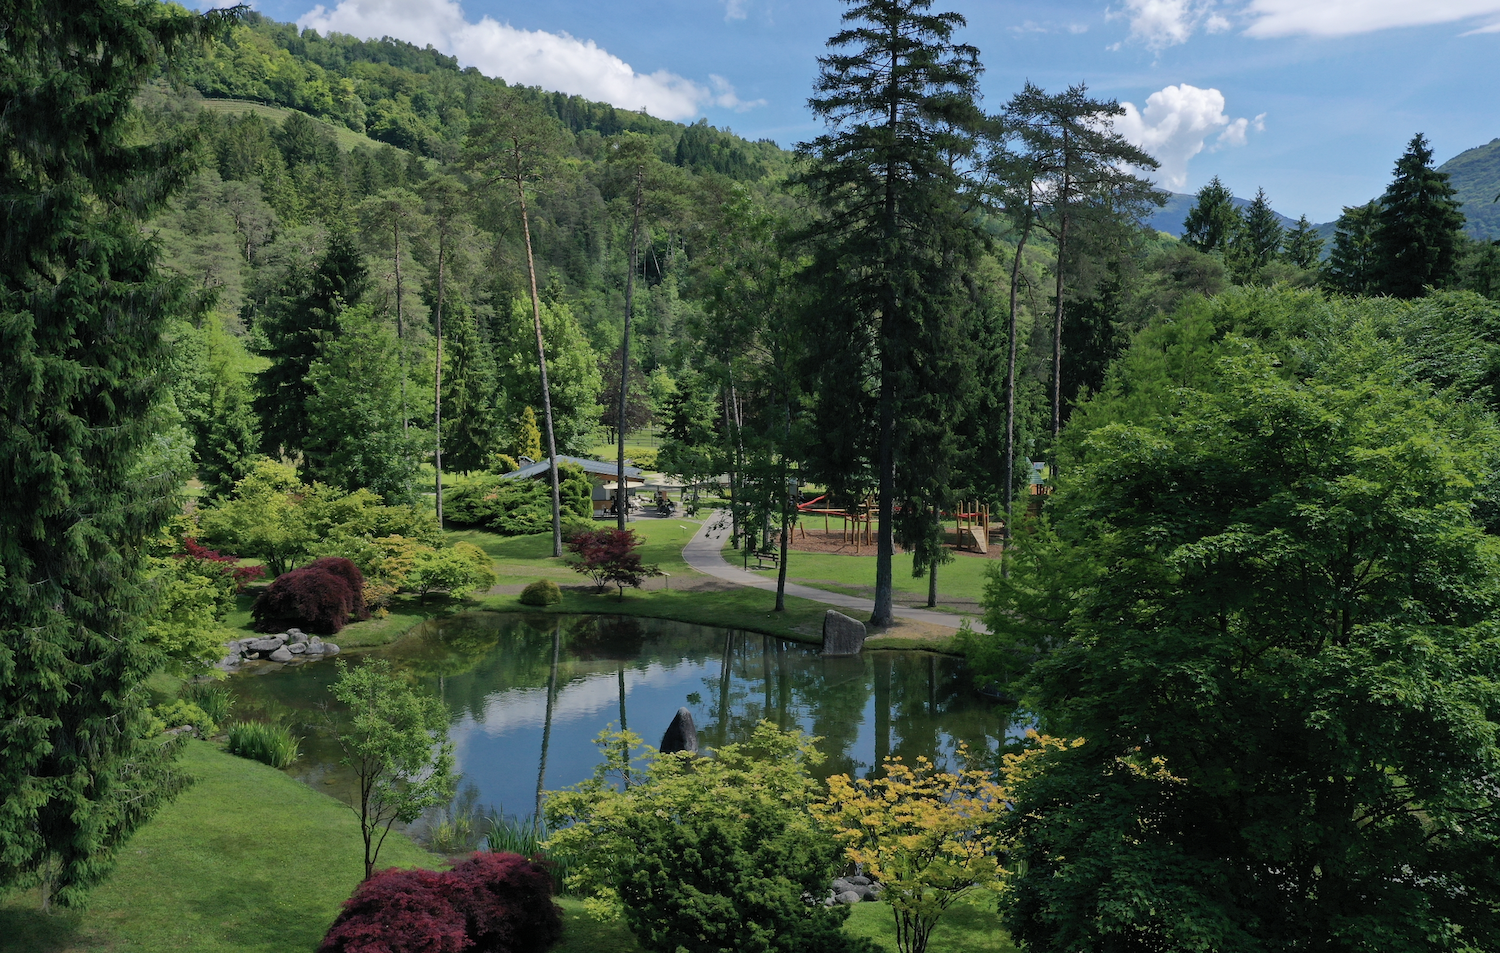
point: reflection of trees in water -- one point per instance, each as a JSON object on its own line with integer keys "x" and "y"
{"x": 616, "y": 638}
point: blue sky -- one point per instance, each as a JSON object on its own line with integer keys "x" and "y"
{"x": 1311, "y": 99}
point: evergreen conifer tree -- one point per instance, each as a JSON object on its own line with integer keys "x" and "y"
{"x": 83, "y": 310}
{"x": 1213, "y": 220}
{"x": 305, "y": 314}
{"x": 1419, "y": 226}
{"x": 1303, "y": 246}
{"x": 468, "y": 391}
{"x": 1257, "y": 241}
{"x": 1352, "y": 267}
{"x": 900, "y": 95}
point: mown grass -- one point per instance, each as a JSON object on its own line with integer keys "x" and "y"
{"x": 961, "y": 580}
{"x": 247, "y": 860}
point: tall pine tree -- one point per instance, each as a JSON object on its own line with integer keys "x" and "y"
{"x": 900, "y": 96}
{"x": 1419, "y": 226}
{"x": 83, "y": 309}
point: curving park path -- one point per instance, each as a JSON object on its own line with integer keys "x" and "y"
{"x": 704, "y": 552}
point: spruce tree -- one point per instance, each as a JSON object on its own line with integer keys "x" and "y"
{"x": 1303, "y": 246}
{"x": 469, "y": 431}
{"x": 1213, "y": 220}
{"x": 304, "y": 315}
{"x": 1352, "y": 267}
{"x": 1257, "y": 241}
{"x": 899, "y": 94}
{"x": 83, "y": 310}
{"x": 1418, "y": 228}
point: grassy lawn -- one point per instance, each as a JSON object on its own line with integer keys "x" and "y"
{"x": 246, "y": 860}
{"x": 969, "y": 926}
{"x": 961, "y": 580}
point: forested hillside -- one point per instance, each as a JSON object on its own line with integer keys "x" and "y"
{"x": 1476, "y": 177}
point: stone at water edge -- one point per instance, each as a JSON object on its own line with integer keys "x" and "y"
{"x": 281, "y": 655}
{"x": 330, "y": 649}
{"x": 267, "y": 645}
{"x": 681, "y": 735}
{"x": 297, "y": 648}
{"x": 841, "y": 634}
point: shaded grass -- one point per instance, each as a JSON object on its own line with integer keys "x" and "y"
{"x": 970, "y": 926}
{"x": 246, "y": 860}
{"x": 347, "y": 139}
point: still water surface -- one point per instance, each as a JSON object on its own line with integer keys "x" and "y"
{"x": 527, "y": 694}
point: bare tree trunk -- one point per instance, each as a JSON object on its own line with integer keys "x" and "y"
{"x": 621, "y": 509}
{"x": 437, "y": 387}
{"x": 541, "y": 360}
{"x": 937, "y": 517}
{"x": 1057, "y": 321}
{"x": 400, "y": 326}
{"x": 885, "y": 542}
{"x": 1010, "y": 381}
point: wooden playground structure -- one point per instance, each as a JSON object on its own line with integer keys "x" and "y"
{"x": 973, "y": 527}
{"x": 857, "y": 523}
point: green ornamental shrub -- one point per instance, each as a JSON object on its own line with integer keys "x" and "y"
{"x": 543, "y": 592}
{"x": 269, "y": 744}
{"x": 178, "y": 713}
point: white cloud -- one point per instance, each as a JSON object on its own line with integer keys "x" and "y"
{"x": 1158, "y": 24}
{"x": 1271, "y": 18}
{"x": 554, "y": 61}
{"x": 724, "y": 95}
{"x": 734, "y": 9}
{"x": 1176, "y": 124}
{"x": 1031, "y": 26}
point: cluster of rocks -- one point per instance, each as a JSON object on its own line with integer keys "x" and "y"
{"x": 293, "y": 645}
{"x": 846, "y": 890}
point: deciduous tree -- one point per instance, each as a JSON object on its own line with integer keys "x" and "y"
{"x": 395, "y": 741}
{"x": 1282, "y": 661}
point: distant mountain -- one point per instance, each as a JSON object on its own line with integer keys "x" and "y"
{"x": 1169, "y": 217}
{"x": 1476, "y": 176}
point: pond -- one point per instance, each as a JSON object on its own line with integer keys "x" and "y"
{"x": 527, "y": 694}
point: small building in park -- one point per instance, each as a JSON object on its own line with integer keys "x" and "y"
{"x": 603, "y": 476}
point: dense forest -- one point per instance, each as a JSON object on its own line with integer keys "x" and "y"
{"x": 338, "y": 282}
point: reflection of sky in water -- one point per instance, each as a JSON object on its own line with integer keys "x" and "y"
{"x": 493, "y": 671}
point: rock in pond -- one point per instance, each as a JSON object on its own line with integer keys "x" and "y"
{"x": 281, "y": 655}
{"x": 681, "y": 734}
{"x": 841, "y": 634}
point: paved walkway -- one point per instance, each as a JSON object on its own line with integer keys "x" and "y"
{"x": 704, "y": 552}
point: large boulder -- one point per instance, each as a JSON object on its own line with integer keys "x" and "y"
{"x": 281, "y": 655}
{"x": 266, "y": 646}
{"x": 841, "y": 634}
{"x": 681, "y": 735}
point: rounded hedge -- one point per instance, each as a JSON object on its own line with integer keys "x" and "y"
{"x": 543, "y": 592}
